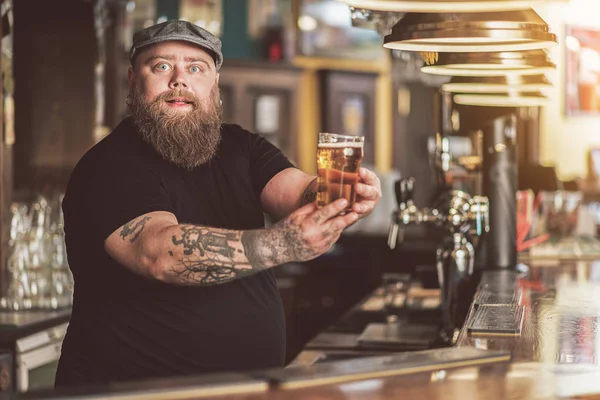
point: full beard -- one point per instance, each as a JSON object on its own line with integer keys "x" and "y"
{"x": 187, "y": 138}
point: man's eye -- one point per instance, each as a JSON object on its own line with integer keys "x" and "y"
{"x": 195, "y": 69}
{"x": 163, "y": 67}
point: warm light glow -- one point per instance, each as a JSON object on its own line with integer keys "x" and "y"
{"x": 468, "y": 44}
{"x": 483, "y": 72}
{"x": 572, "y": 43}
{"x": 307, "y": 23}
{"x": 433, "y": 6}
{"x": 499, "y": 100}
{"x": 482, "y": 88}
{"x": 478, "y": 66}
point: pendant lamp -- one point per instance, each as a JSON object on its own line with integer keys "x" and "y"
{"x": 470, "y": 32}
{"x": 497, "y": 84}
{"x": 443, "y": 6}
{"x": 533, "y": 62}
{"x": 529, "y": 99}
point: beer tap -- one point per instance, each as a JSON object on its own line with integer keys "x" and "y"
{"x": 455, "y": 211}
{"x": 407, "y": 213}
{"x": 463, "y": 218}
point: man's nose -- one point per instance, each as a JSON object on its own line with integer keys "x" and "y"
{"x": 178, "y": 80}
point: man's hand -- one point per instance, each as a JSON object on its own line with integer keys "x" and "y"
{"x": 309, "y": 231}
{"x": 368, "y": 192}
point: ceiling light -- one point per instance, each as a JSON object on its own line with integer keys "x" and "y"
{"x": 441, "y": 6}
{"x": 534, "y": 62}
{"x": 470, "y": 32}
{"x": 381, "y": 21}
{"x": 533, "y": 99}
{"x": 497, "y": 84}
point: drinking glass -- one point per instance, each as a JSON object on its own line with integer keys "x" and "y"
{"x": 395, "y": 287}
{"x": 338, "y": 161}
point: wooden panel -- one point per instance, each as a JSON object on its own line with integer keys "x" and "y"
{"x": 271, "y": 114}
{"x": 242, "y": 84}
{"x": 55, "y": 96}
{"x": 413, "y": 126}
{"x": 349, "y": 106}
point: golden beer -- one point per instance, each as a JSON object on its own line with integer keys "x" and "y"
{"x": 338, "y": 161}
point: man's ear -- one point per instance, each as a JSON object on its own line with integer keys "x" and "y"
{"x": 130, "y": 77}
{"x": 217, "y": 79}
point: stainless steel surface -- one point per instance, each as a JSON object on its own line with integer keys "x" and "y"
{"x": 463, "y": 218}
{"x": 378, "y": 367}
{"x": 560, "y": 334}
{"x": 454, "y": 212}
{"x": 555, "y": 357}
{"x": 38, "y": 351}
{"x": 492, "y": 64}
{"x": 470, "y": 32}
{"x": 195, "y": 387}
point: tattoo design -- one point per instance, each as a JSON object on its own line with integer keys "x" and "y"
{"x": 210, "y": 257}
{"x": 296, "y": 243}
{"x": 310, "y": 193}
{"x": 264, "y": 247}
{"x": 134, "y": 228}
{"x": 201, "y": 239}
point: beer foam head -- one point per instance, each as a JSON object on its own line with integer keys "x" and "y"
{"x": 340, "y": 145}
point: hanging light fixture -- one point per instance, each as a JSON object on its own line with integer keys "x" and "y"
{"x": 528, "y": 99}
{"x": 380, "y": 21}
{"x": 470, "y": 32}
{"x": 497, "y": 84}
{"x": 533, "y": 62}
{"x": 442, "y": 6}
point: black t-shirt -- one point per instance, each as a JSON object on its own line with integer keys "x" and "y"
{"x": 127, "y": 327}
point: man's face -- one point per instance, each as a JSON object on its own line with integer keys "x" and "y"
{"x": 174, "y": 101}
{"x": 172, "y": 65}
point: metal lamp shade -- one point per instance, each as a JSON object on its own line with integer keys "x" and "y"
{"x": 534, "y": 62}
{"x": 444, "y": 6}
{"x": 470, "y": 32}
{"x": 497, "y": 84}
{"x": 528, "y": 99}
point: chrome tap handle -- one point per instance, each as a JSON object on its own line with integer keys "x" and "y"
{"x": 393, "y": 232}
{"x": 404, "y": 189}
{"x": 480, "y": 214}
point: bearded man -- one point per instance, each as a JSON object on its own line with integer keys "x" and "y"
{"x": 165, "y": 228}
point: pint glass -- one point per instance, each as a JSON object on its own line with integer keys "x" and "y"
{"x": 338, "y": 161}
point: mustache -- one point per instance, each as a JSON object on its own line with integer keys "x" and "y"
{"x": 177, "y": 94}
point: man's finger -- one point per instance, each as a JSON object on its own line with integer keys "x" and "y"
{"x": 306, "y": 209}
{"x": 341, "y": 222}
{"x": 363, "y": 207}
{"x": 368, "y": 177}
{"x": 366, "y": 191}
{"x": 329, "y": 211}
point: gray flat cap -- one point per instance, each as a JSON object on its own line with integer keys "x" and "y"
{"x": 178, "y": 30}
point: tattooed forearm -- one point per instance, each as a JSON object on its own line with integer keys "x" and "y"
{"x": 134, "y": 229}
{"x": 204, "y": 256}
{"x": 310, "y": 193}
{"x": 204, "y": 240}
{"x": 211, "y": 256}
{"x": 265, "y": 248}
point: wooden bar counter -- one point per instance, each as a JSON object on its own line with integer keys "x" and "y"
{"x": 554, "y": 356}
